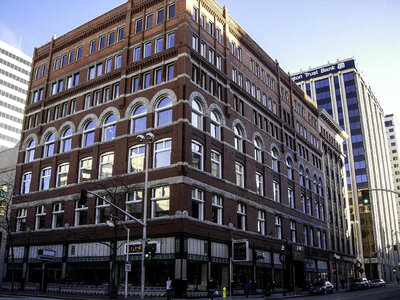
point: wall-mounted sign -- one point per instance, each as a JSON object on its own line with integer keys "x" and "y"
{"x": 343, "y": 65}
{"x": 240, "y": 250}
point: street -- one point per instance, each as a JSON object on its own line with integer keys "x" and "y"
{"x": 391, "y": 292}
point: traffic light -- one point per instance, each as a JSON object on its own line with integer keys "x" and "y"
{"x": 394, "y": 270}
{"x": 150, "y": 250}
{"x": 83, "y": 199}
{"x": 365, "y": 197}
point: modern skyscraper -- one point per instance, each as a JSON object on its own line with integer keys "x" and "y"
{"x": 14, "y": 76}
{"x": 341, "y": 90}
{"x": 393, "y": 138}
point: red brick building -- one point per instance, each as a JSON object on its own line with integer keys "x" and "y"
{"x": 235, "y": 152}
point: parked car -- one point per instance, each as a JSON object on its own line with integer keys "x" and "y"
{"x": 321, "y": 287}
{"x": 359, "y": 284}
{"x": 378, "y": 283}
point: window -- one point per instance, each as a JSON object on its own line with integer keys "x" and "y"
{"x": 99, "y": 69}
{"x": 45, "y": 175}
{"x": 170, "y": 72}
{"x": 195, "y": 43}
{"x": 203, "y": 49}
{"x": 197, "y": 114}
{"x": 139, "y": 26}
{"x": 261, "y": 222}
{"x": 111, "y": 38}
{"x": 302, "y": 178}
{"x": 316, "y": 206}
{"x": 69, "y": 82}
{"x": 157, "y": 76}
{"x": 79, "y": 53}
{"x": 81, "y": 214}
{"x": 259, "y": 184}
{"x": 160, "y": 201}
{"x": 115, "y": 91}
{"x": 275, "y": 156}
{"x": 63, "y": 60}
{"x": 218, "y": 34}
{"x": 136, "y": 158}
{"x": 197, "y": 204}
{"x": 92, "y": 47}
{"x": 49, "y": 145}
{"x": 171, "y": 40}
{"x": 62, "y": 174}
{"x": 305, "y": 234}
{"x": 26, "y": 183}
{"x": 278, "y": 227}
{"x": 66, "y": 140}
{"x": 239, "y": 53}
{"x": 215, "y": 164}
{"x": 322, "y": 213}
{"x": 88, "y": 134}
{"x": 149, "y": 21}
{"x": 162, "y": 153}
{"x": 291, "y": 197}
{"x": 57, "y": 215}
{"x": 159, "y": 45}
{"x": 40, "y": 217}
{"x": 138, "y": 119}
{"x": 147, "y": 49}
{"x": 276, "y": 190}
{"x": 219, "y": 62}
{"x": 241, "y": 216}
{"x": 311, "y": 231}
{"x": 55, "y": 64}
{"x": 289, "y": 166}
{"x": 160, "y": 16}
{"x": 238, "y": 131}
{"x": 102, "y": 42}
{"x": 293, "y": 234}
{"x": 102, "y": 211}
{"x": 217, "y": 209}
{"x": 257, "y": 149}
{"x": 109, "y": 128}
{"x": 85, "y": 169}
{"x": 239, "y": 172}
{"x": 211, "y": 28}
{"x": 118, "y": 60}
{"x": 309, "y": 210}
{"x": 215, "y": 126}
{"x": 135, "y": 84}
{"x": 60, "y": 86}
{"x": 146, "y": 80}
{"x": 21, "y": 219}
{"x": 197, "y": 155}
{"x": 171, "y": 11}
{"x": 203, "y": 21}
{"x": 136, "y": 53}
{"x": 106, "y": 94}
{"x": 195, "y": 14}
{"x": 134, "y": 204}
{"x": 164, "y": 112}
{"x": 106, "y": 165}
{"x": 30, "y": 151}
{"x": 120, "y": 34}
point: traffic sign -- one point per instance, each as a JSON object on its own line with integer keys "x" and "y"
{"x": 128, "y": 267}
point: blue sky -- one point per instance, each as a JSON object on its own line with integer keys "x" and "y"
{"x": 298, "y": 33}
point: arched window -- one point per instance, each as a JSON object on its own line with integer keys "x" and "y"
{"x": 49, "y": 145}
{"x": 321, "y": 188}
{"x": 308, "y": 181}
{"x": 197, "y": 114}
{"x": 109, "y": 128}
{"x": 66, "y": 140}
{"x": 88, "y": 134}
{"x": 215, "y": 126}
{"x": 238, "y": 138}
{"x": 30, "y": 151}
{"x": 164, "y": 112}
{"x": 289, "y": 166}
{"x": 138, "y": 119}
{"x": 257, "y": 149}
{"x": 302, "y": 178}
{"x": 275, "y": 156}
{"x": 316, "y": 185}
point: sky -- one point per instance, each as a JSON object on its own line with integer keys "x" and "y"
{"x": 299, "y": 34}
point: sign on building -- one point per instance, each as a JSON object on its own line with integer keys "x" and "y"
{"x": 240, "y": 250}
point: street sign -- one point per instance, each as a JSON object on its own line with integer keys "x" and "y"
{"x": 128, "y": 267}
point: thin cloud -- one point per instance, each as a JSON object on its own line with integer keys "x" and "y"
{"x": 8, "y": 36}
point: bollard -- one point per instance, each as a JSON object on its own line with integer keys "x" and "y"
{"x": 224, "y": 292}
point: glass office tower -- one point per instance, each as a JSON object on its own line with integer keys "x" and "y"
{"x": 340, "y": 89}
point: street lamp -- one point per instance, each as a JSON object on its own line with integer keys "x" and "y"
{"x": 147, "y": 139}
{"x": 112, "y": 224}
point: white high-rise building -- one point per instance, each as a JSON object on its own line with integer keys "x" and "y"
{"x": 393, "y": 138}
{"x": 14, "y": 78}
{"x": 341, "y": 90}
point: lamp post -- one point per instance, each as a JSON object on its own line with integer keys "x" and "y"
{"x": 112, "y": 224}
{"x": 147, "y": 139}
